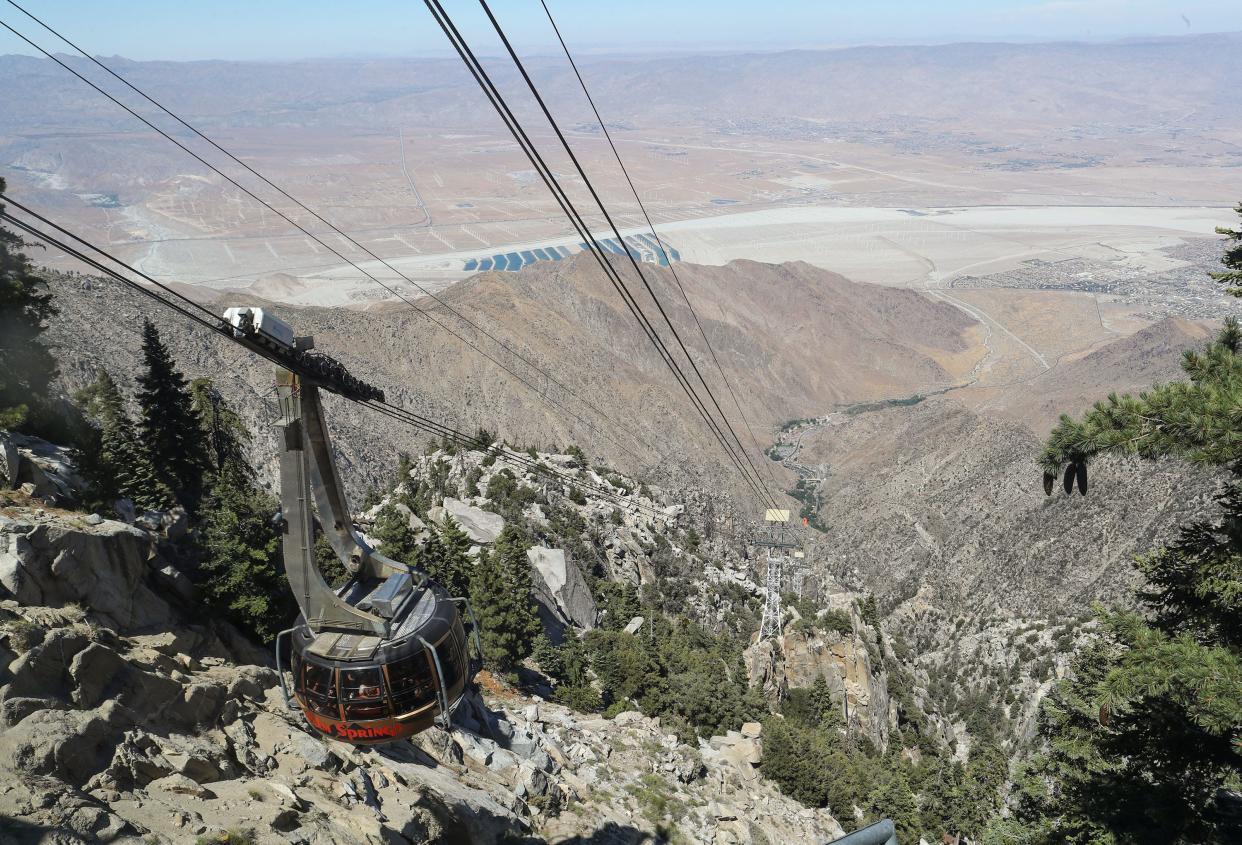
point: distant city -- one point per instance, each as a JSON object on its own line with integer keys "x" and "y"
{"x": 1185, "y": 290}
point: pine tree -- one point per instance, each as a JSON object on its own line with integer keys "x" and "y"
{"x": 118, "y": 467}
{"x": 797, "y": 759}
{"x": 171, "y": 432}
{"x": 825, "y": 710}
{"x": 870, "y": 612}
{"x": 1147, "y": 729}
{"x": 437, "y": 479}
{"x": 405, "y": 467}
{"x": 1232, "y": 259}
{"x": 979, "y": 797}
{"x": 1192, "y": 419}
{"x": 27, "y": 368}
{"x": 431, "y": 554}
{"x": 893, "y": 799}
{"x": 452, "y": 564}
{"x": 500, "y": 591}
{"x": 223, "y": 430}
{"x": 574, "y": 659}
{"x": 397, "y": 539}
{"x": 549, "y": 658}
{"x": 241, "y": 573}
{"x": 941, "y": 799}
{"x": 622, "y": 663}
{"x": 241, "y": 570}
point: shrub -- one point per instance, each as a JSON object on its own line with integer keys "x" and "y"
{"x": 579, "y": 457}
{"x": 584, "y": 698}
{"x": 836, "y": 620}
{"x": 233, "y": 836}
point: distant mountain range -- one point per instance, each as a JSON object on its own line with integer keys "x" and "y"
{"x": 989, "y": 87}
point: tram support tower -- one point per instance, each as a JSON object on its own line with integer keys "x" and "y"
{"x": 770, "y": 625}
{"x": 775, "y": 539}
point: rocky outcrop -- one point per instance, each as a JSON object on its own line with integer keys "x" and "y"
{"x": 627, "y": 776}
{"x": 186, "y": 747}
{"x": 741, "y": 749}
{"x": 848, "y": 662}
{"x": 50, "y": 559}
{"x": 480, "y": 526}
{"x": 560, "y": 588}
{"x": 10, "y": 462}
{"x": 43, "y": 470}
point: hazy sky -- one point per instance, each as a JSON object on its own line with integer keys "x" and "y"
{"x": 284, "y": 29}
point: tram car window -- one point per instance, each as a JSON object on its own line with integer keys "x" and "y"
{"x": 363, "y": 693}
{"x": 321, "y": 692}
{"x": 412, "y": 683}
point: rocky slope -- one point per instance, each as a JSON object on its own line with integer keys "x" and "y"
{"x": 1130, "y": 365}
{"x": 987, "y": 674}
{"x": 934, "y": 508}
{"x": 845, "y": 660}
{"x": 986, "y": 585}
{"x": 707, "y": 577}
{"x": 933, "y": 499}
{"x": 169, "y": 735}
{"x": 129, "y": 715}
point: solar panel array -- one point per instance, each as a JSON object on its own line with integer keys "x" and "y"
{"x": 642, "y": 247}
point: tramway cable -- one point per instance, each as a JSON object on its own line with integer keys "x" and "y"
{"x": 210, "y": 322}
{"x": 385, "y": 655}
{"x": 655, "y": 235}
{"x": 300, "y": 228}
{"x": 551, "y": 379}
{"x": 498, "y": 102}
{"x": 616, "y": 231}
{"x": 303, "y": 230}
{"x": 549, "y": 179}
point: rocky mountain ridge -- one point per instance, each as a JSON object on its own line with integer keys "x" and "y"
{"x": 789, "y": 336}
{"x": 904, "y": 486}
{"x": 980, "y": 579}
{"x": 1133, "y": 364}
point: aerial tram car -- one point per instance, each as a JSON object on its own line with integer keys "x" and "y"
{"x": 386, "y": 655}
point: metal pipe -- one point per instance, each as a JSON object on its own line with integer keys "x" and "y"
{"x": 280, "y": 671}
{"x": 882, "y": 832}
{"x": 442, "y": 692}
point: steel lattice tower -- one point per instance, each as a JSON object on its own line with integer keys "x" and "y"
{"x": 770, "y": 624}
